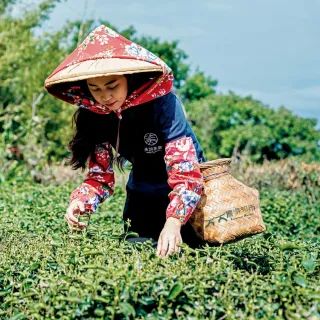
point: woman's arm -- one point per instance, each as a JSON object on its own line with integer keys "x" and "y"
{"x": 99, "y": 183}
{"x": 184, "y": 177}
{"x": 183, "y": 169}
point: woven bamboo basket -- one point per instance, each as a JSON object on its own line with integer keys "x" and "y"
{"x": 228, "y": 209}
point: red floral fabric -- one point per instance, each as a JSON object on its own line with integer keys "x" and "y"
{"x": 104, "y": 43}
{"x": 99, "y": 183}
{"x": 184, "y": 177}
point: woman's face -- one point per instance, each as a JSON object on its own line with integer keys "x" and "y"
{"x": 110, "y": 91}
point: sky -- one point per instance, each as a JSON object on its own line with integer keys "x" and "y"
{"x": 264, "y": 48}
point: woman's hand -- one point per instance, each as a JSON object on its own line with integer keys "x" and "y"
{"x": 76, "y": 207}
{"x": 169, "y": 237}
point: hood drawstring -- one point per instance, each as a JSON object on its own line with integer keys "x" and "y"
{"x": 118, "y": 138}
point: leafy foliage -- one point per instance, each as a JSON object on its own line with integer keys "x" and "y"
{"x": 229, "y": 124}
{"x": 198, "y": 86}
{"x": 170, "y": 53}
{"x": 26, "y": 132}
{"x": 5, "y": 5}
{"x": 48, "y": 272}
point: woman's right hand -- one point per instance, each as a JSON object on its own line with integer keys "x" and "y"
{"x": 75, "y": 208}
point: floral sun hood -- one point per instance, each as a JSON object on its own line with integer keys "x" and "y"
{"x": 105, "y": 43}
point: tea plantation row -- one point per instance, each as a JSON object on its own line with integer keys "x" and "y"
{"x": 46, "y": 272}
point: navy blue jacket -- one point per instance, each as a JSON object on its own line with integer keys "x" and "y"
{"x": 144, "y": 131}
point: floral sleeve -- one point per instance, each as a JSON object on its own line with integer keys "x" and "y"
{"x": 99, "y": 183}
{"x": 184, "y": 177}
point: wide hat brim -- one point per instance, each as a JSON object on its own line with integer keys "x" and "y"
{"x": 98, "y": 68}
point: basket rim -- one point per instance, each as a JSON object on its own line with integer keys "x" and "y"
{"x": 214, "y": 163}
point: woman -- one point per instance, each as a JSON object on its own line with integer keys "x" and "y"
{"x": 125, "y": 100}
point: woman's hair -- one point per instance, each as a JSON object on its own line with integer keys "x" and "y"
{"x": 89, "y": 127}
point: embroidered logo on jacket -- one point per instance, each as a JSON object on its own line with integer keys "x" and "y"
{"x": 150, "y": 139}
{"x": 152, "y": 149}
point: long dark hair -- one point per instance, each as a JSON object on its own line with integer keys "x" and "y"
{"x": 88, "y": 126}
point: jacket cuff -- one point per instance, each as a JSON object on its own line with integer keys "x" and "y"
{"x": 182, "y": 205}
{"x": 90, "y": 196}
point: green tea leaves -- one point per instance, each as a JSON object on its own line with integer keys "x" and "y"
{"x": 300, "y": 280}
{"x": 46, "y": 271}
{"x": 309, "y": 265}
{"x": 175, "y": 290}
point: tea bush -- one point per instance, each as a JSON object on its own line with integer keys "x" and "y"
{"x": 47, "y": 272}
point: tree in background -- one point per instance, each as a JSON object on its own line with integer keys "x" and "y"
{"x": 24, "y": 108}
{"x": 229, "y": 124}
{"x": 5, "y": 4}
{"x": 198, "y": 86}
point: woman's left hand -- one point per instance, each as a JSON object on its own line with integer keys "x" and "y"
{"x": 169, "y": 238}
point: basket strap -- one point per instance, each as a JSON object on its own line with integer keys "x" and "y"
{"x": 215, "y": 174}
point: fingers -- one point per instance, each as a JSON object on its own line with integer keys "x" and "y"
{"x": 75, "y": 209}
{"x": 168, "y": 245}
{"x": 162, "y": 246}
{"x": 176, "y": 248}
{"x": 172, "y": 244}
